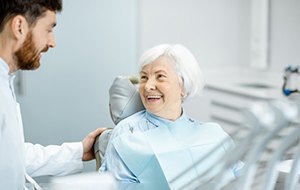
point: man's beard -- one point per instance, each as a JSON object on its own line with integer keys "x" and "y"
{"x": 28, "y": 57}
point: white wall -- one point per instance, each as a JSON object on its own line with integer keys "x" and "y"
{"x": 285, "y": 33}
{"x": 216, "y": 31}
{"x": 67, "y": 97}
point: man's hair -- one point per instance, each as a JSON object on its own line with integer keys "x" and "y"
{"x": 30, "y": 9}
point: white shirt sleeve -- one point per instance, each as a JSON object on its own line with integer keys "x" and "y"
{"x": 53, "y": 159}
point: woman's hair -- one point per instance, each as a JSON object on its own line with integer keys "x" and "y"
{"x": 30, "y": 9}
{"x": 186, "y": 65}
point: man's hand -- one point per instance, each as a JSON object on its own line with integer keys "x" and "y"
{"x": 88, "y": 144}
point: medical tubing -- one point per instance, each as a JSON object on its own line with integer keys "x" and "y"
{"x": 292, "y": 179}
{"x": 271, "y": 172}
{"x": 245, "y": 180}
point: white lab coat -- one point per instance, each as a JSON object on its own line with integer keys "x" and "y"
{"x": 53, "y": 159}
{"x": 17, "y": 157}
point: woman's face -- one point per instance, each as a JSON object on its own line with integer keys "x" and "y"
{"x": 161, "y": 89}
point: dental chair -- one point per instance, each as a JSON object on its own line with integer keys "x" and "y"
{"x": 124, "y": 100}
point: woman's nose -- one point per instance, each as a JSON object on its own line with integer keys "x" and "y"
{"x": 150, "y": 84}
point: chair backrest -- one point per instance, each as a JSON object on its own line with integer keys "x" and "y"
{"x": 124, "y": 100}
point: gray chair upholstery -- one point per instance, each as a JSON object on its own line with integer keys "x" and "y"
{"x": 124, "y": 100}
{"x": 100, "y": 146}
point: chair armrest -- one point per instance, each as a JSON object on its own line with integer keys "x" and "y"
{"x": 100, "y": 146}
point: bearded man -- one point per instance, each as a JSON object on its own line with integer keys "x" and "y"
{"x": 26, "y": 31}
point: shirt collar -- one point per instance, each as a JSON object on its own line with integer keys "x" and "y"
{"x": 4, "y": 67}
{"x": 6, "y": 77}
{"x": 157, "y": 121}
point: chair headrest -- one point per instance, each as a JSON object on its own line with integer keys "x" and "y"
{"x": 124, "y": 98}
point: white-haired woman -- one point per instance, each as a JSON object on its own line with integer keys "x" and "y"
{"x": 155, "y": 145}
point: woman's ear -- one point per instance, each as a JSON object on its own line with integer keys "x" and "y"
{"x": 183, "y": 94}
{"x": 181, "y": 83}
{"x": 19, "y": 26}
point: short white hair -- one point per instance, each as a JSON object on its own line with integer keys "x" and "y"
{"x": 185, "y": 63}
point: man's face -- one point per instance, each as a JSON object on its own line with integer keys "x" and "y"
{"x": 39, "y": 39}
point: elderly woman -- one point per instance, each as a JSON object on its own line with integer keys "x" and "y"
{"x": 157, "y": 144}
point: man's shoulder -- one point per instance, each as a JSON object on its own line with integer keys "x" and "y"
{"x": 4, "y": 100}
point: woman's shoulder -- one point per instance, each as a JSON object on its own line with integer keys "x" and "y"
{"x": 129, "y": 123}
{"x": 211, "y": 126}
{"x": 205, "y": 124}
{"x": 216, "y": 132}
{"x": 133, "y": 119}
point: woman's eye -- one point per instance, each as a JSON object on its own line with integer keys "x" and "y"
{"x": 161, "y": 76}
{"x": 143, "y": 78}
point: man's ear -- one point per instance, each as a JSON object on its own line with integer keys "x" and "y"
{"x": 19, "y": 26}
